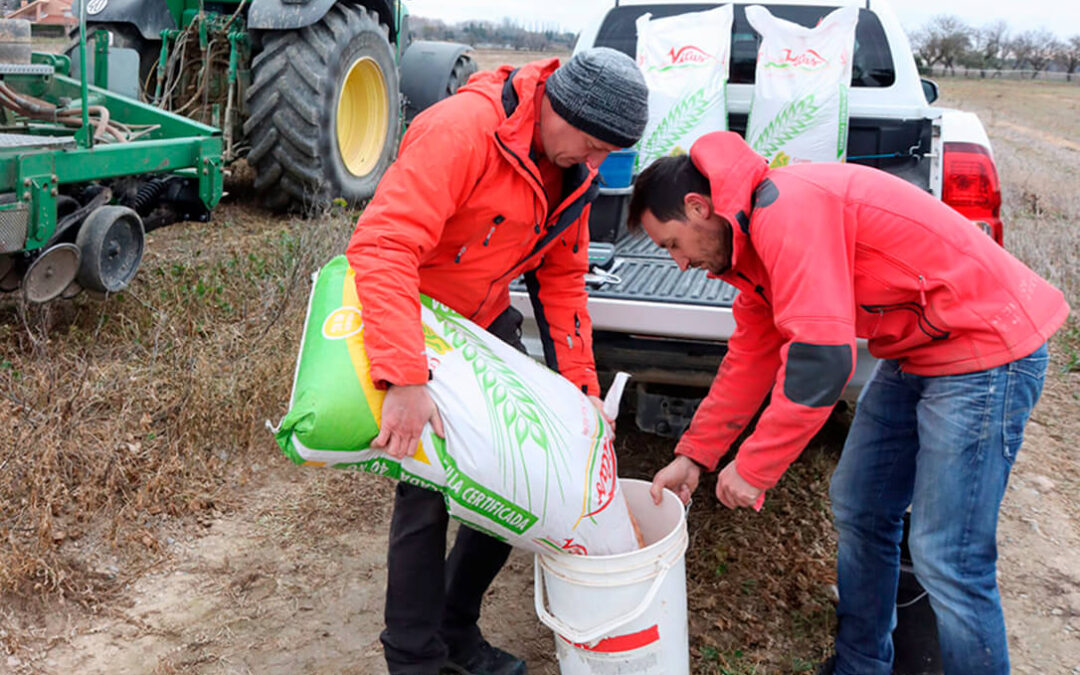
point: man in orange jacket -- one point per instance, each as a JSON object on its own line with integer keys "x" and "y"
{"x": 491, "y": 183}
{"x": 823, "y": 254}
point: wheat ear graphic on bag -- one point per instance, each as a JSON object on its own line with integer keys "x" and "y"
{"x": 794, "y": 119}
{"x": 682, "y": 117}
{"x": 516, "y": 416}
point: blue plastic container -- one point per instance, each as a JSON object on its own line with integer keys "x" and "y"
{"x": 617, "y": 171}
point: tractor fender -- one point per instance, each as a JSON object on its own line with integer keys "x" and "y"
{"x": 426, "y": 70}
{"x": 292, "y": 14}
{"x": 150, "y": 18}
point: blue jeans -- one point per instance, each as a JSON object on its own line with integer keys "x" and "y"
{"x": 943, "y": 446}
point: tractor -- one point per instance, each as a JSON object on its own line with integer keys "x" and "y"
{"x": 306, "y": 90}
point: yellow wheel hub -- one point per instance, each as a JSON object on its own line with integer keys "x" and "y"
{"x": 362, "y": 116}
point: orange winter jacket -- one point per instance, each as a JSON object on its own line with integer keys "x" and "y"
{"x": 460, "y": 214}
{"x": 825, "y": 253}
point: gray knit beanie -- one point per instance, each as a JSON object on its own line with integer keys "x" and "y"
{"x": 601, "y": 92}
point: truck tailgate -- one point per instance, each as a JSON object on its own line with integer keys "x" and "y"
{"x": 647, "y": 272}
{"x": 653, "y": 297}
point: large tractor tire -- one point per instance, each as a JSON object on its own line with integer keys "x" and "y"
{"x": 432, "y": 71}
{"x": 324, "y": 110}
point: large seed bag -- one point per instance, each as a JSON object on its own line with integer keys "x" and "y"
{"x": 800, "y": 107}
{"x": 527, "y": 458}
{"x": 684, "y": 59}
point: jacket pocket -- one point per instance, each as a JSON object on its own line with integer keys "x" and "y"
{"x": 480, "y": 240}
{"x": 923, "y": 322}
{"x": 495, "y": 222}
{"x": 904, "y": 285}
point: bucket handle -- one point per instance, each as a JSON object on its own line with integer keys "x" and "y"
{"x": 587, "y": 635}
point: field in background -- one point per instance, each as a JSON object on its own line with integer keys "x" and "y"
{"x": 1053, "y": 76}
{"x": 148, "y": 524}
{"x": 488, "y": 59}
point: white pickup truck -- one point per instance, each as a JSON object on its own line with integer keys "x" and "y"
{"x": 669, "y": 328}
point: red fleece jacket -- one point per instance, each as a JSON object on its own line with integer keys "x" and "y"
{"x": 461, "y": 213}
{"x": 825, "y": 253}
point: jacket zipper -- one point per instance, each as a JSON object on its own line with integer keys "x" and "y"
{"x": 496, "y": 221}
{"x": 757, "y": 288}
{"x": 584, "y": 186}
{"x": 539, "y": 183}
{"x": 891, "y": 260}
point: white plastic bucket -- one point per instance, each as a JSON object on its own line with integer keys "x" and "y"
{"x": 622, "y": 614}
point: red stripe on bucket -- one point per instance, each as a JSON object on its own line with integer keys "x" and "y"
{"x": 622, "y": 643}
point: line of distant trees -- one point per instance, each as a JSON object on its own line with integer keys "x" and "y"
{"x": 506, "y": 34}
{"x": 947, "y": 41}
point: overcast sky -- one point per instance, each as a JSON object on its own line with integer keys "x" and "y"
{"x": 1059, "y": 16}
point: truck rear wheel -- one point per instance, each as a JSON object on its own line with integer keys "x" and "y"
{"x": 324, "y": 110}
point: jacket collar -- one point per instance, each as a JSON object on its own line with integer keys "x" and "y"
{"x": 516, "y": 92}
{"x": 734, "y": 170}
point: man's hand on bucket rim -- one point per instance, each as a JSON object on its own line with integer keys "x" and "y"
{"x": 680, "y": 476}
{"x": 405, "y": 410}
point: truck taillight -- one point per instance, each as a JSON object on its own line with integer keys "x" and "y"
{"x": 971, "y": 186}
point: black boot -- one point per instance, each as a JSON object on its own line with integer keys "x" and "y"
{"x": 486, "y": 660}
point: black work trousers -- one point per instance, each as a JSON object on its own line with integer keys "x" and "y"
{"x": 432, "y": 604}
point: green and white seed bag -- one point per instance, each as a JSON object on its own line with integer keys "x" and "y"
{"x": 684, "y": 59}
{"x": 800, "y": 106}
{"x": 527, "y": 458}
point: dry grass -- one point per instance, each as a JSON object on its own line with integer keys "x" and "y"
{"x": 758, "y": 584}
{"x": 122, "y": 413}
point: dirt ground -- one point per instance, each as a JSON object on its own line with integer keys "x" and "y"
{"x": 283, "y": 572}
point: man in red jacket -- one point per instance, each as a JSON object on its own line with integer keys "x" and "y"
{"x": 489, "y": 184}
{"x": 823, "y": 254}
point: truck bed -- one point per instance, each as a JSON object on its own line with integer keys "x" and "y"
{"x": 647, "y": 272}
{"x": 651, "y": 297}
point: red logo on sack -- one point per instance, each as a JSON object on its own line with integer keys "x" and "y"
{"x": 604, "y": 487}
{"x": 570, "y": 547}
{"x": 689, "y": 54}
{"x": 807, "y": 59}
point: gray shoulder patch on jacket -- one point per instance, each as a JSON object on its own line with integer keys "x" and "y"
{"x": 765, "y": 194}
{"x": 816, "y": 374}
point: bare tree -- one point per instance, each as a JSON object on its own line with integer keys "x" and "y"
{"x": 1044, "y": 48}
{"x": 1021, "y": 48}
{"x": 926, "y": 48}
{"x": 947, "y": 39}
{"x": 535, "y": 41}
{"x": 1070, "y": 56}
{"x": 990, "y": 46}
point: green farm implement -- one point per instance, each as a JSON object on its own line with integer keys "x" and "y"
{"x": 85, "y": 172}
{"x": 314, "y": 94}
